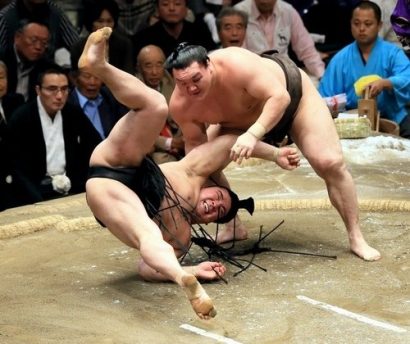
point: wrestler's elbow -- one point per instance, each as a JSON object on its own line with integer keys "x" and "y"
{"x": 284, "y": 98}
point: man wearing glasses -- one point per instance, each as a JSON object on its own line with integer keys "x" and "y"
{"x": 26, "y": 57}
{"x": 51, "y": 142}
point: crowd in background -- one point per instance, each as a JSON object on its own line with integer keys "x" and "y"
{"x": 52, "y": 114}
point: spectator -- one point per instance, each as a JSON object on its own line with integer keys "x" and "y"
{"x": 202, "y": 12}
{"x": 134, "y": 15}
{"x": 97, "y": 14}
{"x": 386, "y": 31}
{"x": 63, "y": 33}
{"x": 172, "y": 28}
{"x": 96, "y": 102}
{"x": 367, "y": 55}
{"x": 26, "y": 57}
{"x": 231, "y": 24}
{"x": 169, "y": 146}
{"x": 275, "y": 25}
{"x": 51, "y": 142}
{"x": 8, "y": 103}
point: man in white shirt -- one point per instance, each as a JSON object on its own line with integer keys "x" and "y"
{"x": 51, "y": 142}
{"x": 274, "y": 25}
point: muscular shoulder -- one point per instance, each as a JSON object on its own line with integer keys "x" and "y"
{"x": 235, "y": 63}
{"x": 231, "y": 56}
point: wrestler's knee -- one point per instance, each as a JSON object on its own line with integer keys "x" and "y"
{"x": 159, "y": 107}
{"x": 329, "y": 165}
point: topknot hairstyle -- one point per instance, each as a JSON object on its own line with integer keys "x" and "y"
{"x": 185, "y": 54}
{"x": 236, "y": 204}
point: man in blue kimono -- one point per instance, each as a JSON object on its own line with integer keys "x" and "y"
{"x": 369, "y": 55}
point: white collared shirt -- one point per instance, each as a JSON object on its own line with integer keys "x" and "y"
{"x": 283, "y": 28}
{"x": 54, "y": 140}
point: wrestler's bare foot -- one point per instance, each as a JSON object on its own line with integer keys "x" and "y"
{"x": 232, "y": 231}
{"x": 95, "y": 52}
{"x": 200, "y": 301}
{"x": 363, "y": 250}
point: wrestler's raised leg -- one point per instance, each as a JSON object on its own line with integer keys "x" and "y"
{"x": 126, "y": 88}
{"x": 149, "y": 108}
{"x": 95, "y": 49}
{"x": 120, "y": 209}
{"x": 160, "y": 256}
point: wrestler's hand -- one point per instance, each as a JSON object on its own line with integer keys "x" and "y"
{"x": 209, "y": 271}
{"x": 243, "y": 147}
{"x": 288, "y": 158}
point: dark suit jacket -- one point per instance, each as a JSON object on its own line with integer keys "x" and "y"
{"x": 29, "y": 150}
{"x": 62, "y": 31}
{"x": 194, "y": 33}
{"x": 9, "y": 58}
{"x": 110, "y": 109}
{"x": 9, "y": 102}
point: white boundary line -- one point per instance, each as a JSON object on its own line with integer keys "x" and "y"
{"x": 349, "y": 314}
{"x": 204, "y": 333}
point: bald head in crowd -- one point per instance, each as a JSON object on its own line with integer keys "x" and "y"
{"x": 150, "y": 64}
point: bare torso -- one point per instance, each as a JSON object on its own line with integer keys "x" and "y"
{"x": 242, "y": 83}
{"x": 125, "y": 148}
{"x": 184, "y": 192}
{"x": 229, "y": 101}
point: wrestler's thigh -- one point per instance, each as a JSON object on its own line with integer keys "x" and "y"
{"x": 314, "y": 131}
{"x": 120, "y": 209}
{"x": 136, "y": 132}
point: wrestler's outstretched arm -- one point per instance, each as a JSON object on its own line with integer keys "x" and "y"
{"x": 214, "y": 155}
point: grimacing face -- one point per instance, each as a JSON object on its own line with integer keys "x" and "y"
{"x": 194, "y": 80}
{"x": 214, "y": 202}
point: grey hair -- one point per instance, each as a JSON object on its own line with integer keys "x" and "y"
{"x": 230, "y": 11}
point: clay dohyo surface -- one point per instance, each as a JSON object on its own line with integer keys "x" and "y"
{"x": 64, "y": 279}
